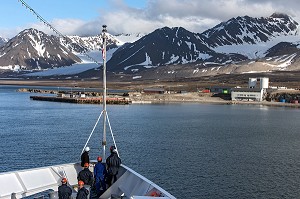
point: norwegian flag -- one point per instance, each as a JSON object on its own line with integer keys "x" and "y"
{"x": 103, "y": 53}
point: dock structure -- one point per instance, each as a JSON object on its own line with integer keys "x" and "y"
{"x": 90, "y": 100}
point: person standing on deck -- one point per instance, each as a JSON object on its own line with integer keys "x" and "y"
{"x": 113, "y": 163}
{"x": 100, "y": 173}
{"x": 64, "y": 191}
{"x": 86, "y": 175}
{"x": 85, "y": 158}
{"x": 82, "y": 191}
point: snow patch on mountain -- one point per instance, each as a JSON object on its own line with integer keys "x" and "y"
{"x": 147, "y": 63}
{"x": 285, "y": 61}
{"x": 137, "y": 77}
{"x": 37, "y": 44}
{"x": 129, "y": 38}
{"x": 67, "y": 70}
{"x": 173, "y": 59}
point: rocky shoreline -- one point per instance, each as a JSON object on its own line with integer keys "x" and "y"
{"x": 196, "y": 97}
{"x": 189, "y": 97}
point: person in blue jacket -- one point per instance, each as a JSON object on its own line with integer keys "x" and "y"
{"x": 99, "y": 175}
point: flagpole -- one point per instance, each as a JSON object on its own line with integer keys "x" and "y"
{"x": 104, "y": 37}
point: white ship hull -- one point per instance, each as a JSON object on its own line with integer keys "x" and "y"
{"x": 31, "y": 181}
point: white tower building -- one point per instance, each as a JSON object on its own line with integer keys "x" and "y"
{"x": 264, "y": 82}
{"x": 252, "y": 82}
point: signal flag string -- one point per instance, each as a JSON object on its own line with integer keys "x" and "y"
{"x": 66, "y": 40}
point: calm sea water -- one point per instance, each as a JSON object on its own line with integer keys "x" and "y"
{"x": 191, "y": 150}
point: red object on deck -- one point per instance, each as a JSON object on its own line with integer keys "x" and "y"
{"x": 206, "y": 91}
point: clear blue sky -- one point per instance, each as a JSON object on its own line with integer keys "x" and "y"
{"x": 12, "y": 13}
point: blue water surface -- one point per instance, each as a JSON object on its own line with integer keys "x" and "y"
{"x": 191, "y": 150}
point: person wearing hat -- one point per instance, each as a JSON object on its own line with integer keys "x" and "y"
{"x": 113, "y": 163}
{"x": 99, "y": 174}
{"x": 85, "y": 158}
{"x": 86, "y": 175}
{"x": 64, "y": 191}
{"x": 82, "y": 191}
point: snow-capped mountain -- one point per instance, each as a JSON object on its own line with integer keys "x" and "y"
{"x": 166, "y": 46}
{"x": 229, "y": 42}
{"x": 33, "y": 49}
{"x": 249, "y": 36}
{"x": 248, "y": 30}
{"x": 240, "y": 45}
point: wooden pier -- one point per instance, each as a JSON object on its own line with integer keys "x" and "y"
{"x": 88, "y": 100}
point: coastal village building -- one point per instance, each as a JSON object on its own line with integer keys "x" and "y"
{"x": 256, "y": 90}
{"x": 249, "y": 94}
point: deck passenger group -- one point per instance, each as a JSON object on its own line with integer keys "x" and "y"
{"x": 98, "y": 181}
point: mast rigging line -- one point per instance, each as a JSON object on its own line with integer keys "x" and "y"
{"x": 112, "y": 135}
{"x": 66, "y": 39}
{"x": 92, "y": 132}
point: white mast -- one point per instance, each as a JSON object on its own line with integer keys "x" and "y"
{"x": 104, "y": 37}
